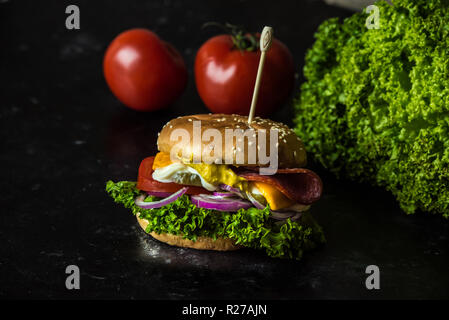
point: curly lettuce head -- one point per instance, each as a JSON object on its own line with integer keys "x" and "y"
{"x": 375, "y": 104}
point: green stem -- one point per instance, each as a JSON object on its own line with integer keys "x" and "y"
{"x": 242, "y": 39}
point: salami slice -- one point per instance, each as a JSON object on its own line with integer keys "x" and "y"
{"x": 299, "y": 184}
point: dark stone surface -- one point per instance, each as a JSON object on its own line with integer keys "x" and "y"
{"x": 63, "y": 135}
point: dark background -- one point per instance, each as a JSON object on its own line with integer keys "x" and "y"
{"x": 63, "y": 135}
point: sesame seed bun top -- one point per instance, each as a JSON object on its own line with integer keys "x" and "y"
{"x": 239, "y": 150}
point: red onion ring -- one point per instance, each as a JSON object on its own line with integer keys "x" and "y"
{"x": 157, "y": 204}
{"x": 285, "y": 215}
{"x": 255, "y": 203}
{"x": 224, "y": 194}
{"x": 159, "y": 194}
{"x": 231, "y": 189}
{"x": 224, "y": 204}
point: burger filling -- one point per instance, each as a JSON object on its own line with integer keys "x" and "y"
{"x": 212, "y": 176}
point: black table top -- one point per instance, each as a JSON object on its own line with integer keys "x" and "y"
{"x": 63, "y": 135}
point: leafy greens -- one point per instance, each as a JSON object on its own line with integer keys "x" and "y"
{"x": 375, "y": 104}
{"x": 250, "y": 228}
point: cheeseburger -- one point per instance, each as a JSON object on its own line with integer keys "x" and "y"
{"x": 221, "y": 183}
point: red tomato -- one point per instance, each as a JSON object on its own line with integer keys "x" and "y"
{"x": 144, "y": 72}
{"x": 225, "y": 76}
{"x": 145, "y": 181}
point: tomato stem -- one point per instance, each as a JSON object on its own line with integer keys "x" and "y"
{"x": 242, "y": 39}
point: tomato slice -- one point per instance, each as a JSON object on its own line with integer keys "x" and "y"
{"x": 145, "y": 181}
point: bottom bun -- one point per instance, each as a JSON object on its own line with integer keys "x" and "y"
{"x": 201, "y": 243}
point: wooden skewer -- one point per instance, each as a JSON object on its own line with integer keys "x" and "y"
{"x": 265, "y": 43}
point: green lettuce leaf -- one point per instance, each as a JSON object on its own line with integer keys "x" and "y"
{"x": 375, "y": 104}
{"x": 252, "y": 228}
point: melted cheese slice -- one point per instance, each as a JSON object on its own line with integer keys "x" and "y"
{"x": 276, "y": 199}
